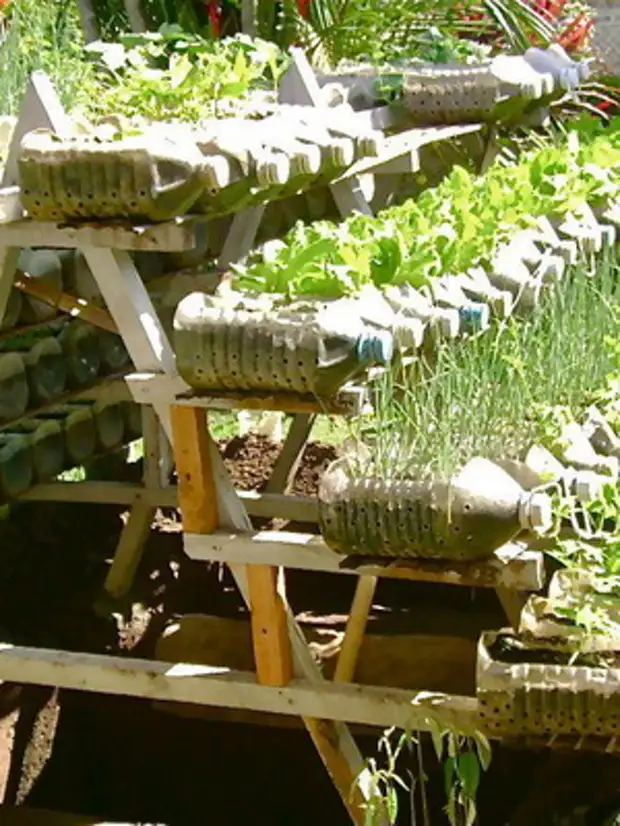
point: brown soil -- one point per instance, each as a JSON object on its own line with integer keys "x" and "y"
{"x": 120, "y": 758}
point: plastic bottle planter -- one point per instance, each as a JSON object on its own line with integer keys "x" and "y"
{"x": 79, "y": 431}
{"x": 468, "y": 518}
{"x": 142, "y": 177}
{"x": 81, "y": 348}
{"x": 46, "y": 371}
{"x": 16, "y": 467}
{"x": 222, "y": 345}
{"x": 14, "y": 391}
{"x": 48, "y": 446}
{"x": 526, "y": 698}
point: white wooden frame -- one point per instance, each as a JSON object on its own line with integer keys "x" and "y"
{"x": 106, "y": 250}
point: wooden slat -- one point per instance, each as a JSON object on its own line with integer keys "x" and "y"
{"x": 174, "y": 236}
{"x": 265, "y": 505}
{"x": 152, "y": 387}
{"x": 22, "y": 816}
{"x": 63, "y": 302}
{"x": 220, "y": 687}
{"x": 512, "y": 566}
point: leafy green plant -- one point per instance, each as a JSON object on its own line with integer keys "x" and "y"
{"x": 171, "y": 75}
{"x": 448, "y": 229}
{"x": 464, "y": 756}
{"x": 41, "y": 34}
{"x": 384, "y": 31}
{"x": 497, "y": 393}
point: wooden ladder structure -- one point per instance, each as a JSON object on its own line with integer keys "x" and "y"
{"x": 216, "y": 523}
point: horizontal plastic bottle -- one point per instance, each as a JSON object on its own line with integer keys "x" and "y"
{"x": 44, "y": 267}
{"x": 46, "y": 370}
{"x": 226, "y": 344}
{"x": 109, "y": 423}
{"x": 79, "y": 431}
{"x": 146, "y": 176}
{"x": 439, "y": 321}
{"x": 474, "y": 316}
{"x": 80, "y": 346}
{"x": 113, "y": 355}
{"x": 467, "y": 518}
{"x": 16, "y": 467}
{"x": 14, "y": 390}
{"x": 48, "y": 446}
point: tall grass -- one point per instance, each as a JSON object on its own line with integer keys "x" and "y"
{"x": 483, "y": 396}
{"x": 41, "y": 34}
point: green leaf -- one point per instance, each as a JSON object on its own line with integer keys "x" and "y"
{"x": 484, "y": 750}
{"x": 180, "y": 67}
{"x": 468, "y": 772}
{"x": 392, "y": 804}
{"x": 437, "y": 736}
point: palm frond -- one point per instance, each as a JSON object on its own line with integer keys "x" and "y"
{"x": 388, "y": 30}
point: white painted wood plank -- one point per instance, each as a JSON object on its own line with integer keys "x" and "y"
{"x": 173, "y": 236}
{"x": 221, "y": 687}
{"x": 129, "y": 550}
{"x": 267, "y": 505}
{"x": 511, "y": 567}
{"x": 8, "y": 264}
{"x": 131, "y": 308}
{"x": 40, "y": 109}
{"x": 10, "y": 205}
{"x": 241, "y": 236}
{"x": 156, "y": 388}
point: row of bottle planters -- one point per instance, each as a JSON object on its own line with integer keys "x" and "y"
{"x": 67, "y": 357}
{"x": 214, "y": 172}
{"x": 555, "y": 676}
{"x": 551, "y": 676}
{"x": 38, "y": 449}
{"x": 485, "y": 505}
{"x": 234, "y": 341}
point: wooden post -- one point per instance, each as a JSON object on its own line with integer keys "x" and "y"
{"x": 198, "y": 504}
{"x": 356, "y": 628}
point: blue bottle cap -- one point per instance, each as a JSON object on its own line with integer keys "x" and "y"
{"x": 475, "y": 316}
{"x": 376, "y": 346}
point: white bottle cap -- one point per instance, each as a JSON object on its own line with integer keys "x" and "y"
{"x": 535, "y": 512}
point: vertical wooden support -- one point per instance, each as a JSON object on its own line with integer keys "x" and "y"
{"x": 272, "y": 646}
{"x": 288, "y": 460}
{"x": 136, "y": 531}
{"x": 356, "y": 628}
{"x": 196, "y": 482}
{"x": 199, "y": 509}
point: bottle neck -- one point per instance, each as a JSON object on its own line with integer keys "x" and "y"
{"x": 375, "y": 347}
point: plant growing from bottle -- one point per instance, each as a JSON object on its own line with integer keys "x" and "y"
{"x": 465, "y": 756}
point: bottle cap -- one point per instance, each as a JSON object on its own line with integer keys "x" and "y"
{"x": 535, "y": 512}
{"x": 587, "y": 485}
{"x": 475, "y": 317}
{"x": 375, "y": 346}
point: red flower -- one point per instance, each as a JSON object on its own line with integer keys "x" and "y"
{"x": 575, "y": 35}
{"x": 303, "y": 6}
{"x": 214, "y": 12}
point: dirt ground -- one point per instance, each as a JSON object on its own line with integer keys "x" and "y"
{"x": 120, "y": 758}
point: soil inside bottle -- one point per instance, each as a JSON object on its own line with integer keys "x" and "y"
{"x": 510, "y": 650}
